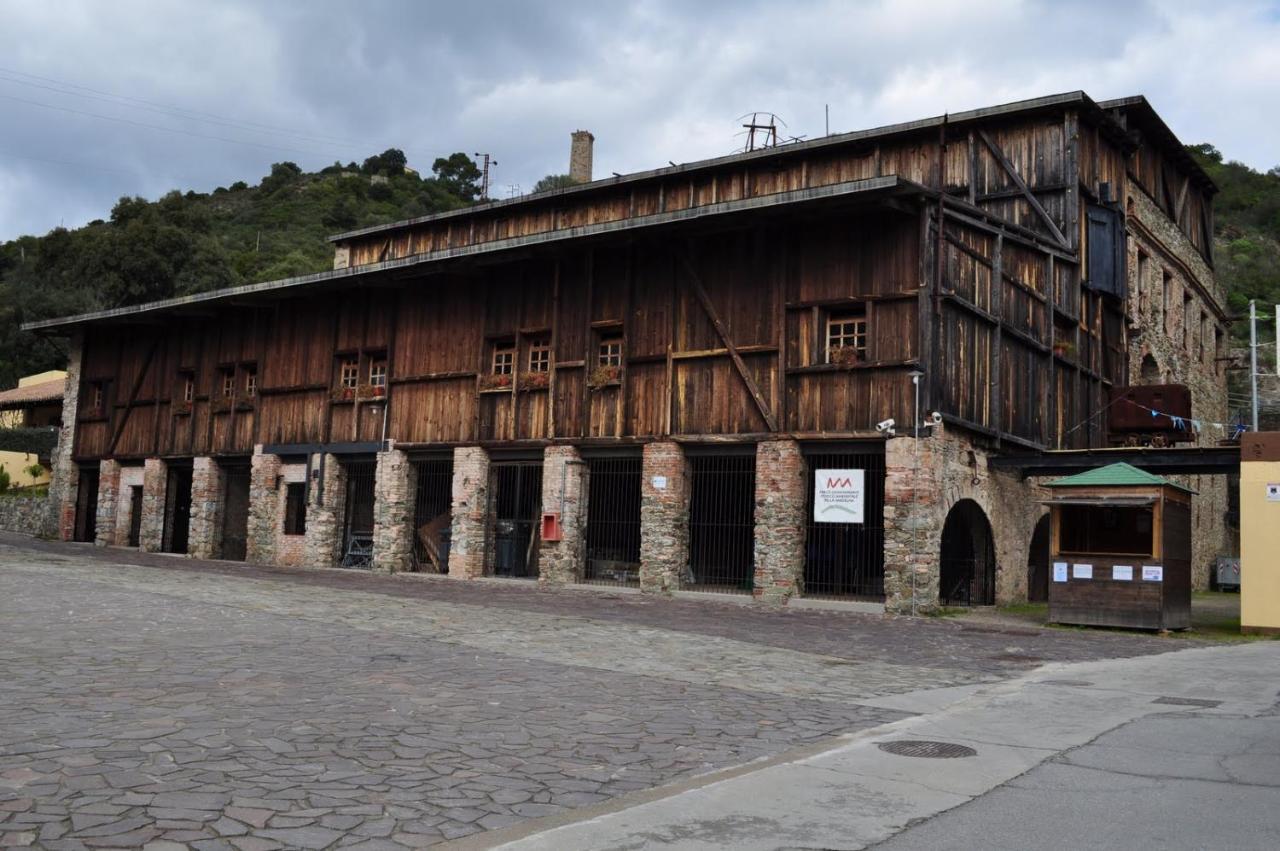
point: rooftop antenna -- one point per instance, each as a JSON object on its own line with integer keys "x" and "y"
{"x": 761, "y": 130}
{"x": 484, "y": 180}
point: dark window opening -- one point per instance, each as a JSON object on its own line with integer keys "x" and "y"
{"x": 722, "y": 523}
{"x": 1105, "y": 530}
{"x": 613, "y": 521}
{"x": 295, "y": 508}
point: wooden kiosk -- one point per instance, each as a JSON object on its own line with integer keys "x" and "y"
{"x": 1120, "y": 550}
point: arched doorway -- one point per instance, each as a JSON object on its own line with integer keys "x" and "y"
{"x": 968, "y": 558}
{"x": 1038, "y": 563}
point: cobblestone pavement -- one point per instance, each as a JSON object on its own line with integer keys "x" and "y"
{"x": 178, "y": 703}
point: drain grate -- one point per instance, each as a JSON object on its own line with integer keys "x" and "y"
{"x": 926, "y": 749}
{"x": 1188, "y": 701}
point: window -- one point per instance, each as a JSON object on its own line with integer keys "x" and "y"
{"x": 1105, "y": 529}
{"x": 504, "y": 358}
{"x": 188, "y": 388}
{"x": 1144, "y": 263}
{"x": 295, "y": 509}
{"x": 1217, "y": 349}
{"x": 378, "y": 372}
{"x": 250, "y": 382}
{"x": 228, "y": 383}
{"x": 1201, "y": 347}
{"x": 1186, "y": 323}
{"x": 1166, "y": 283}
{"x": 609, "y": 352}
{"x": 540, "y": 355}
{"x": 97, "y": 397}
{"x": 349, "y": 373}
{"x": 846, "y": 338}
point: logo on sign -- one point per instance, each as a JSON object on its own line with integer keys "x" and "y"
{"x": 838, "y": 496}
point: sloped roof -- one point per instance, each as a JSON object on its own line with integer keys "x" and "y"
{"x": 1119, "y": 474}
{"x": 33, "y": 394}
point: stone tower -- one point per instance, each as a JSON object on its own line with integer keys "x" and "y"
{"x": 580, "y": 156}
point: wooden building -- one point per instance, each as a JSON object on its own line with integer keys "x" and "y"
{"x": 794, "y": 298}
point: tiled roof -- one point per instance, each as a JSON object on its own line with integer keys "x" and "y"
{"x": 1115, "y": 475}
{"x": 33, "y": 394}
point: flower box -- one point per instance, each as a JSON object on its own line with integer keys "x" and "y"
{"x": 604, "y": 376}
{"x": 535, "y": 380}
{"x": 493, "y": 381}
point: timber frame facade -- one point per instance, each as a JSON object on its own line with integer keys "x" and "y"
{"x": 803, "y": 294}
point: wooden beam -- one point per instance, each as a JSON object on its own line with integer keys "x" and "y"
{"x": 1026, "y": 191}
{"x": 709, "y": 308}
{"x": 1181, "y": 205}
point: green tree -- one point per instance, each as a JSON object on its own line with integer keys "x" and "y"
{"x": 554, "y": 181}
{"x": 458, "y": 175}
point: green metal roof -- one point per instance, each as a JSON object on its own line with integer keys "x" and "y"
{"x": 1115, "y": 475}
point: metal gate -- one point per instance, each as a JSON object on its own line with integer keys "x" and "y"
{"x": 515, "y": 502}
{"x": 845, "y": 561}
{"x": 613, "y": 521}
{"x": 433, "y": 504}
{"x": 722, "y": 497}
{"x": 135, "y": 515}
{"x": 357, "y": 520}
{"x": 177, "y": 509}
{"x": 87, "y": 505}
{"x": 235, "y": 512}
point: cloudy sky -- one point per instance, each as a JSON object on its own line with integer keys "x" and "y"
{"x": 103, "y": 99}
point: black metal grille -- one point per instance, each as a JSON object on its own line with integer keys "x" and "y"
{"x": 432, "y": 515}
{"x": 357, "y": 524}
{"x": 722, "y": 523}
{"x": 515, "y": 502}
{"x": 845, "y": 561}
{"x": 613, "y": 521}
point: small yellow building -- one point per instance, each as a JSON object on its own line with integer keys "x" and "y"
{"x": 1260, "y": 533}
{"x": 35, "y": 403}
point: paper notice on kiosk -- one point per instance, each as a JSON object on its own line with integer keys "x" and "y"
{"x": 1082, "y": 571}
{"x": 1059, "y": 571}
{"x": 1152, "y": 573}
{"x": 1122, "y": 572}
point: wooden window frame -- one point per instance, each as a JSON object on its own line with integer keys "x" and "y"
{"x": 610, "y": 349}
{"x": 188, "y": 387}
{"x": 539, "y": 359}
{"x": 502, "y": 361}
{"x": 378, "y": 372}
{"x": 846, "y": 328}
{"x": 348, "y": 372}
{"x": 250, "y": 383}
{"x": 228, "y": 380}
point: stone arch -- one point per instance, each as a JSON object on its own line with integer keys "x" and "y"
{"x": 967, "y": 558}
{"x": 1038, "y": 563}
{"x": 1150, "y": 370}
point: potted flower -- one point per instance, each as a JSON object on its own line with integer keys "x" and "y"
{"x": 845, "y": 355}
{"x": 535, "y": 380}
{"x": 181, "y": 408}
{"x": 370, "y": 391}
{"x": 495, "y": 381}
{"x": 1064, "y": 348}
{"x": 604, "y": 375}
{"x": 221, "y": 404}
{"x": 344, "y": 393}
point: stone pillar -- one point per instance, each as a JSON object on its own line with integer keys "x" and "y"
{"x": 64, "y": 484}
{"x": 394, "y": 489}
{"x": 469, "y": 529}
{"x": 208, "y": 483}
{"x": 155, "y": 479}
{"x": 780, "y": 521}
{"x": 327, "y": 497}
{"x": 581, "y": 147}
{"x": 664, "y": 517}
{"x": 264, "y": 507}
{"x": 108, "y": 499}
{"x": 913, "y": 518}
{"x": 564, "y": 492}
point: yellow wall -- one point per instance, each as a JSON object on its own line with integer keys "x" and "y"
{"x": 17, "y": 463}
{"x": 1259, "y": 548}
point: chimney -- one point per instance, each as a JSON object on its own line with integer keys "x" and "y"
{"x": 580, "y": 156}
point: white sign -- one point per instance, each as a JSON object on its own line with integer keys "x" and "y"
{"x": 1273, "y": 491}
{"x": 1152, "y": 573}
{"x": 1122, "y": 572}
{"x": 838, "y": 496}
{"x": 1059, "y": 571}
{"x": 1082, "y": 571}
{"x": 659, "y": 483}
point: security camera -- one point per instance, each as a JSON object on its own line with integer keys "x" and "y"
{"x": 885, "y": 426}
{"x": 936, "y": 418}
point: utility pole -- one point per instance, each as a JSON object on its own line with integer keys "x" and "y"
{"x": 484, "y": 180}
{"x": 1253, "y": 357}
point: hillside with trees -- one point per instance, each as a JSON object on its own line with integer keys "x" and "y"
{"x": 193, "y": 242}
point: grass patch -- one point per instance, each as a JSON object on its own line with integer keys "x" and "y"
{"x": 33, "y": 492}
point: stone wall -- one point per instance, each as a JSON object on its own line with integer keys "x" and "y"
{"x": 565, "y": 480}
{"x": 664, "y": 517}
{"x": 325, "y": 511}
{"x": 108, "y": 495}
{"x": 64, "y": 485}
{"x": 469, "y": 530}
{"x": 780, "y": 521}
{"x": 207, "y": 493}
{"x": 27, "y": 514}
{"x": 1170, "y": 288}
{"x": 395, "y": 486}
{"x": 155, "y": 479}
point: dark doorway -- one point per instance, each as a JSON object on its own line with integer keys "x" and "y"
{"x": 613, "y": 521}
{"x": 722, "y": 528}
{"x": 177, "y": 509}
{"x": 235, "y": 512}
{"x": 515, "y": 502}
{"x": 1038, "y": 563}
{"x": 432, "y": 514}
{"x": 968, "y": 564}
{"x": 135, "y": 515}
{"x": 846, "y": 560}
{"x": 1150, "y": 370}
{"x": 86, "y": 528}
{"x": 357, "y": 523}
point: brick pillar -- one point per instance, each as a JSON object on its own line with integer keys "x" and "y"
{"x": 155, "y": 479}
{"x": 913, "y": 518}
{"x": 468, "y": 532}
{"x": 264, "y": 507}
{"x": 64, "y": 484}
{"x": 207, "y": 486}
{"x": 324, "y": 511}
{"x": 394, "y": 489}
{"x": 780, "y": 521}
{"x": 108, "y": 499}
{"x": 564, "y": 492}
{"x": 664, "y": 517}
